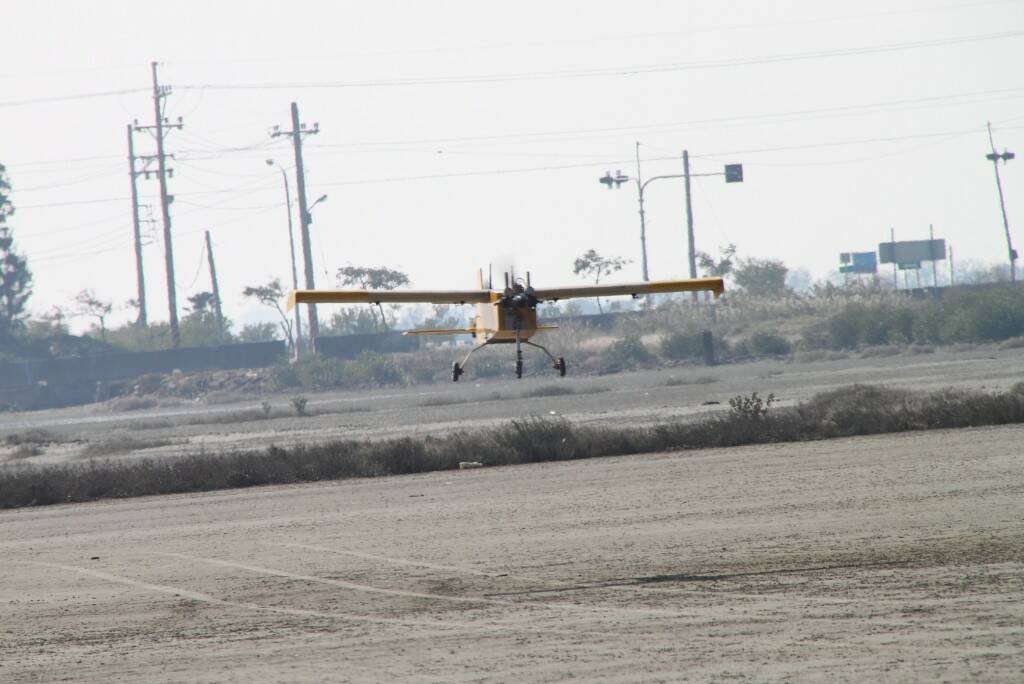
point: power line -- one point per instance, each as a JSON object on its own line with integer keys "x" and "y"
{"x": 613, "y": 71}
{"x": 69, "y": 98}
{"x": 676, "y": 124}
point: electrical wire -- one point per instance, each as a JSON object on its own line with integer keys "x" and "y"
{"x": 669, "y": 67}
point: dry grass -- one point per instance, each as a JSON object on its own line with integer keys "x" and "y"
{"x": 674, "y": 381}
{"x": 121, "y": 444}
{"x": 844, "y": 412}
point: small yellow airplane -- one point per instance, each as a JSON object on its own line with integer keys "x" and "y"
{"x": 506, "y": 316}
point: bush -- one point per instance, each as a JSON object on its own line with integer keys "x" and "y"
{"x": 680, "y": 346}
{"x": 848, "y": 411}
{"x": 627, "y": 353}
{"x": 765, "y": 344}
{"x": 372, "y": 368}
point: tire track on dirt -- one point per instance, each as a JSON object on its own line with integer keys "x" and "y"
{"x": 640, "y": 612}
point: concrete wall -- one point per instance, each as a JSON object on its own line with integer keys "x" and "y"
{"x": 131, "y": 364}
{"x": 350, "y": 346}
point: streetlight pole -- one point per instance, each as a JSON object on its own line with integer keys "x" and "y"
{"x": 291, "y": 253}
{"x": 643, "y": 221}
{"x": 733, "y": 174}
{"x": 994, "y": 157}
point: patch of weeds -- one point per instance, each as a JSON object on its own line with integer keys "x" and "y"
{"x": 752, "y": 419}
{"x": 879, "y": 351}
{"x": 31, "y": 436}
{"x": 1012, "y": 343}
{"x": 26, "y": 451}
{"x": 674, "y": 381}
{"x": 679, "y": 346}
{"x": 299, "y": 404}
{"x": 915, "y": 349}
{"x": 125, "y": 404}
{"x": 121, "y": 444}
{"x": 444, "y": 401}
{"x": 764, "y": 343}
{"x": 752, "y": 407}
{"x": 266, "y": 408}
{"x": 547, "y": 391}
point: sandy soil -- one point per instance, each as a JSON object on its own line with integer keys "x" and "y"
{"x": 624, "y": 399}
{"x": 892, "y": 558}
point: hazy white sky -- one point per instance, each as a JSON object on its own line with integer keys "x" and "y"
{"x": 849, "y": 118}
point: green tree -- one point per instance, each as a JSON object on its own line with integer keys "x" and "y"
{"x": 592, "y": 265}
{"x": 720, "y": 268}
{"x": 271, "y": 295}
{"x": 762, "y": 277}
{"x": 369, "y": 278}
{"x": 259, "y": 332}
{"x": 15, "y": 276}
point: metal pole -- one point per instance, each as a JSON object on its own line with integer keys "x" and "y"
{"x": 952, "y": 278}
{"x": 216, "y": 290}
{"x": 140, "y": 275}
{"x": 291, "y": 253}
{"x": 689, "y": 216}
{"x": 307, "y": 252}
{"x": 995, "y": 157}
{"x": 895, "y": 276}
{"x": 643, "y": 224}
{"x": 935, "y": 275}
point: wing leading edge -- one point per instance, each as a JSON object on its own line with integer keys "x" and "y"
{"x": 716, "y": 285}
{"x": 388, "y": 297}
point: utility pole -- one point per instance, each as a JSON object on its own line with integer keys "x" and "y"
{"x": 216, "y": 290}
{"x": 895, "y": 275}
{"x": 935, "y": 267}
{"x": 689, "y": 217}
{"x": 140, "y": 276}
{"x": 160, "y": 127}
{"x": 643, "y": 221}
{"x": 994, "y": 157}
{"x": 952, "y": 278}
{"x": 298, "y": 130}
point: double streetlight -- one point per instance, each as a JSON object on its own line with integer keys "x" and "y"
{"x": 733, "y": 174}
{"x": 291, "y": 246}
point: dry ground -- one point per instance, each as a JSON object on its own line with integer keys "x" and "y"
{"x": 893, "y": 558}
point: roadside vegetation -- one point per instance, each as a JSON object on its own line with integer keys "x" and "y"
{"x": 845, "y": 412}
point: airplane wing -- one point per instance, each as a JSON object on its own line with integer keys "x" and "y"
{"x": 716, "y": 285}
{"x": 388, "y": 297}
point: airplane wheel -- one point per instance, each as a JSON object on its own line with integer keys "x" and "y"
{"x": 519, "y": 369}
{"x": 560, "y": 366}
{"x": 456, "y": 371}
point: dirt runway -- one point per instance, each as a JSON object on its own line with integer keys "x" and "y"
{"x": 889, "y": 558}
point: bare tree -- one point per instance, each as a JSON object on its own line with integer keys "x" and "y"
{"x": 91, "y": 305}
{"x": 593, "y": 265}
{"x": 271, "y": 295}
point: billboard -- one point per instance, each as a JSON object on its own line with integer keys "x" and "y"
{"x": 911, "y": 251}
{"x": 858, "y": 262}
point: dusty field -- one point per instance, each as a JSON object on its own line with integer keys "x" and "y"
{"x": 891, "y": 558}
{"x": 623, "y": 399}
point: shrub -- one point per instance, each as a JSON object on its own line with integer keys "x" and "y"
{"x": 679, "y": 346}
{"x": 299, "y": 404}
{"x": 626, "y": 353}
{"x": 372, "y": 368}
{"x": 766, "y": 344}
{"x": 753, "y": 407}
